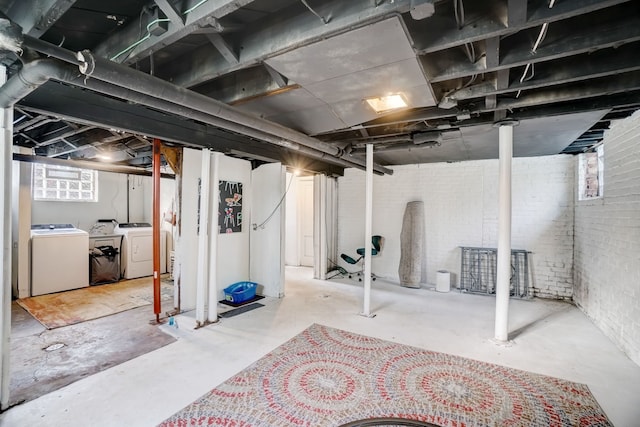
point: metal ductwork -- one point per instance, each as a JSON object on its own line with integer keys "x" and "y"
{"x": 131, "y": 85}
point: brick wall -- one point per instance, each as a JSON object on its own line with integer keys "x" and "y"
{"x": 461, "y": 206}
{"x": 607, "y": 243}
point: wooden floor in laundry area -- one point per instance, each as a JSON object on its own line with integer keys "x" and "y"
{"x": 79, "y": 305}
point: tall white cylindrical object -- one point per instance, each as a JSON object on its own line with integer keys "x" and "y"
{"x": 6, "y": 157}
{"x": 202, "y": 277}
{"x": 212, "y": 285}
{"x": 504, "y": 233}
{"x": 368, "y": 216}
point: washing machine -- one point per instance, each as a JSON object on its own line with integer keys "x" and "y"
{"x": 137, "y": 249}
{"x": 58, "y": 258}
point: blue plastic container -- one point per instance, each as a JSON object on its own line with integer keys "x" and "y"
{"x": 240, "y": 292}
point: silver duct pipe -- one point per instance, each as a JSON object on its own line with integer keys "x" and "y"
{"x": 37, "y": 72}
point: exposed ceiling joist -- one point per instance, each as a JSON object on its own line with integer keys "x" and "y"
{"x": 36, "y": 17}
{"x": 443, "y": 33}
{"x": 269, "y": 38}
{"x": 225, "y": 49}
{"x": 126, "y": 45}
{"x": 170, "y": 12}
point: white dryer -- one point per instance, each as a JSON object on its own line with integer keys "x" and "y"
{"x": 59, "y": 258}
{"x": 137, "y": 249}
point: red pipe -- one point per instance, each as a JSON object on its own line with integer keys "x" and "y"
{"x": 156, "y": 228}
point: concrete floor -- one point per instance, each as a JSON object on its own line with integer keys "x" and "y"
{"x": 81, "y": 349}
{"x": 551, "y": 338}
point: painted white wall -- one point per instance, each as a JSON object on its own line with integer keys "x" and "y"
{"x": 233, "y": 249}
{"x": 140, "y": 187}
{"x": 607, "y": 242}
{"x": 267, "y": 240}
{"x": 461, "y": 206}
{"x": 112, "y": 203}
{"x": 167, "y": 194}
{"x": 21, "y": 229}
{"x": 291, "y": 223}
{"x": 186, "y": 242}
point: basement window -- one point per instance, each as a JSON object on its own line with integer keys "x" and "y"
{"x": 590, "y": 174}
{"x": 63, "y": 183}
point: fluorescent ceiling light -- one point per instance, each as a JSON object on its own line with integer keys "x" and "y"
{"x": 382, "y": 104}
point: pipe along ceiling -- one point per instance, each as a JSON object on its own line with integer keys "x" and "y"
{"x": 117, "y": 80}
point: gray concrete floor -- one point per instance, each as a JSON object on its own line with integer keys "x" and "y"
{"x": 44, "y": 360}
{"x": 551, "y": 338}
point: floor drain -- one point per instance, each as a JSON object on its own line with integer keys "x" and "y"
{"x": 54, "y": 347}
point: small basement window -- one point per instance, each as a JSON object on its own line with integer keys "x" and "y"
{"x": 63, "y": 183}
{"x": 590, "y": 174}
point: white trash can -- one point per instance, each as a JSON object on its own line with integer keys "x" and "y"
{"x": 443, "y": 281}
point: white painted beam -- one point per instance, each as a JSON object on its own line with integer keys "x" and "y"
{"x": 212, "y": 312}
{"x": 503, "y": 281}
{"x": 202, "y": 280}
{"x": 368, "y": 216}
{"x": 6, "y": 157}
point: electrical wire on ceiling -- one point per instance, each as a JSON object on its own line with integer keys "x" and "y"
{"x": 470, "y": 51}
{"x": 322, "y": 18}
{"x": 148, "y": 35}
{"x": 529, "y": 70}
{"x": 458, "y": 11}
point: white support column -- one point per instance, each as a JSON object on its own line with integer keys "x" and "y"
{"x": 320, "y": 226}
{"x": 202, "y": 278}
{"x": 504, "y": 232}
{"x": 367, "y": 232}
{"x": 6, "y": 156}
{"x": 213, "y": 240}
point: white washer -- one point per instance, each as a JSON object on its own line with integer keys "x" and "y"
{"x": 59, "y": 258}
{"x": 137, "y": 249}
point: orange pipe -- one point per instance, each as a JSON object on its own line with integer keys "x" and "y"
{"x": 156, "y": 228}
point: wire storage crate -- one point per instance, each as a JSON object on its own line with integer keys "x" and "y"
{"x": 478, "y": 271}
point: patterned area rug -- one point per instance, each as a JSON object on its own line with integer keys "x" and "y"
{"x": 329, "y": 377}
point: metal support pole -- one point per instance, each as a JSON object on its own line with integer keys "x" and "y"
{"x": 156, "y": 228}
{"x": 504, "y": 231}
{"x": 6, "y": 171}
{"x": 367, "y": 231}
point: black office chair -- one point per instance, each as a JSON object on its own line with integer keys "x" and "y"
{"x": 376, "y": 242}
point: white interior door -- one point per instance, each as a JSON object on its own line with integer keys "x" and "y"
{"x": 305, "y": 221}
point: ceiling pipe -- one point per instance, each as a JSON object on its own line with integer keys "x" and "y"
{"x": 208, "y": 110}
{"x": 169, "y": 107}
{"x": 86, "y": 164}
{"x": 137, "y": 81}
{"x": 38, "y": 72}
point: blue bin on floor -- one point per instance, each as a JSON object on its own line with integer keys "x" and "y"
{"x": 240, "y": 292}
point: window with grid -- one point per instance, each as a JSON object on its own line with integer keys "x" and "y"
{"x": 63, "y": 183}
{"x": 591, "y": 174}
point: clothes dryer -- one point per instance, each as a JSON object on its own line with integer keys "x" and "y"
{"x": 137, "y": 249}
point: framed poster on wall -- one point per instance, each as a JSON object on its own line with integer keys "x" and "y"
{"x": 230, "y": 207}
